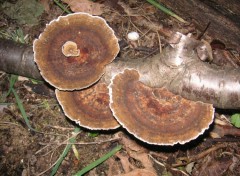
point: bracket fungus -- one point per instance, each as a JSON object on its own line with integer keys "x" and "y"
{"x": 71, "y": 54}
{"x": 73, "y": 50}
{"x": 75, "y": 53}
{"x": 156, "y": 115}
{"x": 89, "y": 108}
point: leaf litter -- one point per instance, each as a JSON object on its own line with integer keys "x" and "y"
{"x": 85, "y": 6}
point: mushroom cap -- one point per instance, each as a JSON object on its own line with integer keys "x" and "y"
{"x": 155, "y": 115}
{"x": 88, "y": 107}
{"x": 94, "y": 38}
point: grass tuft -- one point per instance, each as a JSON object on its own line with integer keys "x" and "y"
{"x": 13, "y": 79}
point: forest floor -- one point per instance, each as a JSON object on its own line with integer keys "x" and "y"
{"x": 28, "y": 153}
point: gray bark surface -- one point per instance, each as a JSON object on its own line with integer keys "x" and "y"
{"x": 178, "y": 69}
{"x": 17, "y": 58}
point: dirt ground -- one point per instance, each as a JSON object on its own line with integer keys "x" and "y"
{"x": 27, "y": 153}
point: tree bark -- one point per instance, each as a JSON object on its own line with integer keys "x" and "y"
{"x": 178, "y": 69}
{"x": 223, "y": 16}
{"x": 17, "y": 58}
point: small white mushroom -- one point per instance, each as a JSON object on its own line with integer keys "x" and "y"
{"x": 133, "y": 36}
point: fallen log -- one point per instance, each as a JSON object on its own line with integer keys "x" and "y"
{"x": 192, "y": 79}
{"x": 222, "y": 15}
{"x": 17, "y": 58}
{"x": 179, "y": 69}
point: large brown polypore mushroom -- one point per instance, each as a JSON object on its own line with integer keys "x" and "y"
{"x": 156, "y": 115}
{"x": 71, "y": 54}
{"x": 73, "y": 50}
{"x": 89, "y": 108}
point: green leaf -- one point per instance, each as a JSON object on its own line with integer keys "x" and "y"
{"x": 34, "y": 81}
{"x": 235, "y": 120}
{"x": 93, "y": 134}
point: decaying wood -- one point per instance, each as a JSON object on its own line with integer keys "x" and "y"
{"x": 17, "y": 58}
{"x": 222, "y": 15}
{"x": 182, "y": 72}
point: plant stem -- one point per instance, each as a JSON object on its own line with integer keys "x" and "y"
{"x": 165, "y": 10}
{"x": 62, "y": 7}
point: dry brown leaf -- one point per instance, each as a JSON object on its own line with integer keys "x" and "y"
{"x": 145, "y": 160}
{"x": 45, "y": 4}
{"x": 85, "y": 6}
{"x": 212, "y": 167}
{"x": 130, "y": 144}
{"x": 114, "y": 168}
{"x": 126, "y": 165}
{"x": 140, "y": 172}
{"x": 137, "y": 152}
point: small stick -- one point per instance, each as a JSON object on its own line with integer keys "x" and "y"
{"x": 59, "y": 127}
{"x": 159, "y": 41}
{"x": 198, "y": 156}
{"x": 85, "y": 143}
{"x": 10, "y": 124}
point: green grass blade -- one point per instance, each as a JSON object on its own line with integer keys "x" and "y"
{"x": 22, "y": 110}
{"x": 165, "y": 10}
{"x": 13, "y": 79}
{"x": 62, "y": 7}
{"x": 99, "y": 161}
{"x": 65, "y": 152}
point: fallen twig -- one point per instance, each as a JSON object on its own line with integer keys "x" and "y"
{"x": 10, "y": 124}
{"x": 56, "y": 164}
{"x": 142, "y": 20}
{"x": 59, "y": 127}
{"x": 198, "y": 156}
